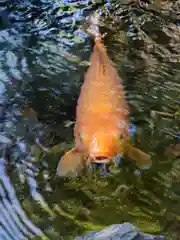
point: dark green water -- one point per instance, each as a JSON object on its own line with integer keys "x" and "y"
{"x": 43, "y": 58}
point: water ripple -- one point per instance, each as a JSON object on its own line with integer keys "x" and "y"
{"x": 44, "y": 52}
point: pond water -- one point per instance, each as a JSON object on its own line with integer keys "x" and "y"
{"x": 44, "y": 53}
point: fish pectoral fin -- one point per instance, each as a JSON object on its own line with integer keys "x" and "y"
{"x": 71, "y": 163}
{"x": 143, "y": 160}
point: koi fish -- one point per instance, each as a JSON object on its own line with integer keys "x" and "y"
{"x": 101, "y": 129}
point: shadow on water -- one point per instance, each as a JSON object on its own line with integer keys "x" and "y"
{"x": 43, "y": 56}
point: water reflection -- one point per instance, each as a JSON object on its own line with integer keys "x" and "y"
{"x": 44, "y": 53}
{"x": 15, "y": 224}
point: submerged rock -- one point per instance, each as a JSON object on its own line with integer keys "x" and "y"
{"x": 125, "y": 231}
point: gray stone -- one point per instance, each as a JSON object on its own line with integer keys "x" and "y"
{"x": 125, "y": 231}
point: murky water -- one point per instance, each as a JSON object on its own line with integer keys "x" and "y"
{"x": 43, "y": 56}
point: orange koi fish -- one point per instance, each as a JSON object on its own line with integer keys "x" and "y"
{"x": 102, "y": 126}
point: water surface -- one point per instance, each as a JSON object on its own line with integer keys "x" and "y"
{"x": 44, "y": 53}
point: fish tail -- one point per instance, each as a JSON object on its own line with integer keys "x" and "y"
{"x": 71, "y": 164}
{"x": 143, "y": 160}
{"x": 93, "y": 28}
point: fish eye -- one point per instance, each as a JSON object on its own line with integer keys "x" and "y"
{"x": 80, "y": 136}
{"x": 121, "y": 136}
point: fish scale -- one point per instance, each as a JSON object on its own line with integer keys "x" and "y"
{"x": 102, "y": 129}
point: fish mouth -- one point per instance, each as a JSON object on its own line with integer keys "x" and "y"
{"x": 101, "y": 159}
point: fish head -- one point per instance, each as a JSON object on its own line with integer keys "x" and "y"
{"x": 106, "y": 145}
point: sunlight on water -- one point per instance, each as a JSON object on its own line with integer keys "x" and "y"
{"x": 13, "y": 218}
